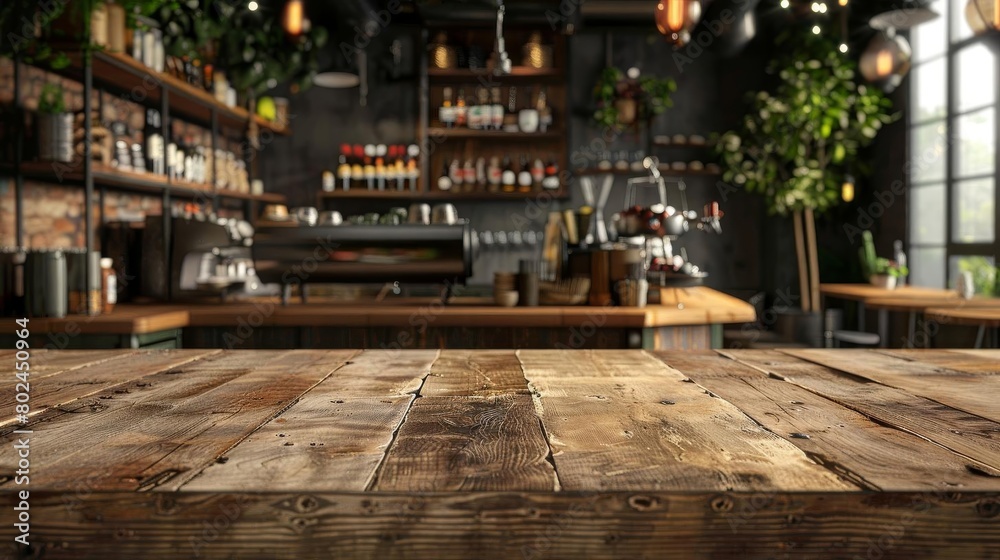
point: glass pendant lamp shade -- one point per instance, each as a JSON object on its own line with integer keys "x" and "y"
{"x": 293, "y": 18}
{"x": 886, "y": 60}
{"x": 676, "y": 18}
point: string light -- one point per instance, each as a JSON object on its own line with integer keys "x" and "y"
{"x": 252, "y": 6}
{"x": 785, "y": 4}
{"x": 843, "y": 48}
{"x": 816, "y": 29}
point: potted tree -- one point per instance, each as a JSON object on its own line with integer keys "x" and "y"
{"x": 621, "y": 100}
{"x": 799, "y": 141}
{"x": 55, "y": 125}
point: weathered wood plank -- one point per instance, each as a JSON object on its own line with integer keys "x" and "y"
{"x": 468, "y": 444}
{"x": 320, "y": 444}
{"x": 849, "y": 443}
{"x": 94, "y": 439}
{"x": 653, "y": 431}
{"x": 475, "y": 373}
{"x": 504, "y": 525}
{"x": 66, "y": 384}
{"x": 969, "y": 435}
{"x": 376, "y": 373}
{"x": 45, "y": 363}
{"x": 986, "y": 362}
{"x": 973, "y": 393}
{"x": 585, "y": 363}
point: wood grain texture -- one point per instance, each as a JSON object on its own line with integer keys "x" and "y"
{"x": 973, "y": 393}
{"x": 388, "y": 373}
{"x": 322, "y": 443}
{"x": 64, "y": 384}
{"x": 968, "y": 361}
{"x": 650, "y": 429}
{"x": 847, "y": 442}
{"x": 969, "y": 435}
{"x": 137, "y": 426}
{"x": 505, "y": 525}
{"x": 475, "y": 373}
{"x": 125, "y": 319}
{"x": 893, "y": 303}
{"x": 468, "y": 444}
{"x": 53, "y": 362}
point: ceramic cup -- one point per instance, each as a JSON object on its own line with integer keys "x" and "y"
{"x": 527, "y": 120}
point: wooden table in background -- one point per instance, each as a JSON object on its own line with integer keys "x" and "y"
{"x": 863, "y": 294}
{"x": 984, "y": 318}
{"x": 509, "y": 454}
{"x": 919, "y": 306}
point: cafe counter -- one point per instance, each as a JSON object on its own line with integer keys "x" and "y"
{"x": 685, "y": 318}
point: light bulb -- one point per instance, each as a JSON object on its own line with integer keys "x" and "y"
{"x": 785, "y": 4}
{"x": 843, "y": 47}
{"x": 252, "y": 6}
{"x": 816, "y": 30}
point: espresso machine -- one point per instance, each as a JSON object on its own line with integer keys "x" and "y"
{"x": 207, "y": 257}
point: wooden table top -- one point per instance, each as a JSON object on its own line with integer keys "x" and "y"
{"x": 976, "y": 316}
{"x": 865, "y": 292}
{"x": 124, "y": 319}
{"x": 502, "y": 454}
{"x": 683, "y": 306}
{"x": 921, "y": 304}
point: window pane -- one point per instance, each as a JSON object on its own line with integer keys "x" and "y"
{"x": 959, "y": 26}
{"x": 976, "y": 68}
{"x": 927, "y": 266}
{"x": 927, "y": 152}
{"x": 983, "y": 269}
{"x": 928, "y": 208}
{"x": 973, "y": 215}
{"x": 930, "y": 90}
{"x": 976, "y": 141}
{"x": 930, "y": 39}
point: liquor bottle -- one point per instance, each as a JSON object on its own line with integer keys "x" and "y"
{"x": 494, "y": 174}
{"x": 444, "y": 182}
{"x": 369, "y": 168}
{"x": 380, "y": 175}
{"x": 510, "y": 118}
{"x": 154, "y": 143}
{"x": 455, "y": 173}
{"x": 551, "y": 180}
{"x": 509, "y": 178}
{"x": 537, "y": 174}
{"x": 469, "y": 175}
{"x": 544, "y": 111}
{"x": 476, "y": 111}
{"x": 496, "y": 110}
{"x": 524, "y": 176}
{"x": 412, "y": 169}
{"x": 344, "y": 166}
{"x": 481, "y": 174}
{"x": 446, "y": 114}
{"x": 461, "y": 111}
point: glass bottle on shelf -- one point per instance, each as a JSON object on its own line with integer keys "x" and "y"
{"x": 444, "y": 181}
{"x": 446, "y": 114}
{"x": 494, "y": 174}
{"x": 551, "y": 180}
{"x": 496, "y": 110}
{"x": 508, "y": 180}
{"x": 537, "y": 174}
{"x": 510, "y": 118}
{"x": 481, "y": 174}
{"x": 469, "y": 175}
{"x": 461, "y": 111}
{"x": 544, "y": 111}
{"x": 524, "y": 176}
{"x": 455, "y": 173}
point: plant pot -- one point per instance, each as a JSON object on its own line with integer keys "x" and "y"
{"x": 883, "y": 281}
{"x": 627, "y": 111}
{"x": 55, "y": 137}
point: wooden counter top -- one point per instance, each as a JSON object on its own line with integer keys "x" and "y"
{"x": 865, "y": 292}
{"x": 683, "y": 306}
{"x": 508, "y": 454}
{"x": 125, "y": 319}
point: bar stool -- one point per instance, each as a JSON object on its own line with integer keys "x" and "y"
{"x": 854, "y": 338}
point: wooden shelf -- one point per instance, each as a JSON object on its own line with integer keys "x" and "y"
{"x": 128, "y": 181}
{"x": 665, "y": 170}
{"x": 517, "y": 72}
{"x": 145, "y": 86}
{"x": 661, "y": 142}
{"x": 470, "y": 134}
{"x": 364, "y": 194}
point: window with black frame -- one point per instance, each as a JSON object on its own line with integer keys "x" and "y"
{"x": 953, "y": 170}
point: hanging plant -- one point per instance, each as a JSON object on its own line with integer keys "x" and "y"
{"x": 621, "y": 100}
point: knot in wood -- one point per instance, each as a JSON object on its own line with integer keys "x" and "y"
{"x": 988, "y": 508}
{"x": 305, "y": 504}
{"x": 166, "y": 505}
{"x": 722, "y": 504}
{"x": 643, "y": 503}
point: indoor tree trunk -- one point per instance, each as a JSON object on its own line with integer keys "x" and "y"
{"x": 800, "y": 261}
